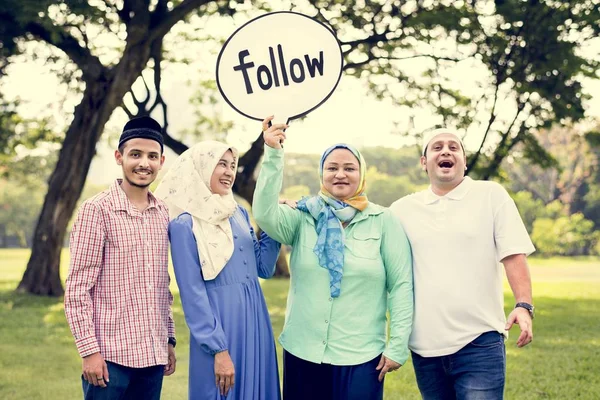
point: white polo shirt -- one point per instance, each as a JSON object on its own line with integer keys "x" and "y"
{"x": 457, "y": 242}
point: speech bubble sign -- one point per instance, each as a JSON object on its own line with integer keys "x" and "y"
{"x": 282, "y": 63}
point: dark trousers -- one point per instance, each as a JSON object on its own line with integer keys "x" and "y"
{"x": 304, "y": 380}
{"x": 127, "y": 383}
{"x": 475, "y": 372}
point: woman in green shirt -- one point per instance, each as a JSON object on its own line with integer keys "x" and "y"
{"x": 350, "y": 264}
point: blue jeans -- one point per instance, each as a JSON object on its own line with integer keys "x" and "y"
{"x": 475, "y": 372}
{"x": 126, "y": 383}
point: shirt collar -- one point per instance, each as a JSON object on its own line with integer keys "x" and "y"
{"x": 364, "y": 214}
{"x": 122, "y": 203}
{"x": 370, "y": 210}
{"x": 455, "y": 194}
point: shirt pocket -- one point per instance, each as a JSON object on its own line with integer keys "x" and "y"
{"x": 308, "y": 234}
{"x": 365, "y": 244}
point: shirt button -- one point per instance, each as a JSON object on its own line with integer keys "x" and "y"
{"x": 245, "y": 262}
{"x": 326, "y": 321}
{"x": 247, "y": 276}
{"x": 241, "y": 248}
{"x": 235, "y": 236}
{"x": 150, "y": 287}
{"x": 330, "y": 299}
{"x": 324, "y": 342}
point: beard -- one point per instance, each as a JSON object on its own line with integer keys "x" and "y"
{"x": 138, "y": 185}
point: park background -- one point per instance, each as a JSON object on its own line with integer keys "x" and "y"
{"x": 518, "y": 78}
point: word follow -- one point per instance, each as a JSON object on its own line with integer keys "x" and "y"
{"x": 279, "y": 72}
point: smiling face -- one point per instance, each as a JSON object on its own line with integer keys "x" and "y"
{"x": 341, "y": 174}
{"x": 444, "y": 162}
{"x": 141, "y": 159}
{"x": 223, "y": 176}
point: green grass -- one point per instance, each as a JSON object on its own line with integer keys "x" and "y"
{"x": 38, "y": 359}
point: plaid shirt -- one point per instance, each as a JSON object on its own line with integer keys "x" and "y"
{"x": 117, "y": 298}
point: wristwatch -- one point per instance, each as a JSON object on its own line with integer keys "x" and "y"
{"x": 172, "y": 342}
{"x": 528, "y": 307}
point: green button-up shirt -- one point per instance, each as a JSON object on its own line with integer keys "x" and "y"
{"x": 349, "y": 329}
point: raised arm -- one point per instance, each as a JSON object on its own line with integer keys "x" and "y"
{"x": 278, "y": 220}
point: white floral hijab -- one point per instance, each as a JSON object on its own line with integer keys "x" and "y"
{"x": 186, "y": 188}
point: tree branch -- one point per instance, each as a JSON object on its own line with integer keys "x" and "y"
{"x": 89, "y": 64}
{"x": 143, "y": 107}
{"x": 244, "y": 183}
{"x": 156, "y": 55}
{"x": 378, "y": 10}
{"x": 123, "y": 13}
{"x": 370, "y": 57}
{"x": 473, "y": 159}
{"x": 520, "y": 108}
{"x": 172, "y": 143}
{"x": 177, "y": 14}
{"x": 374, "y": 57}
{"x": 502, "y": 151}
{"x": 373, "y": 39}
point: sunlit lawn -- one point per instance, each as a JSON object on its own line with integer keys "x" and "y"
{"x": 38, "y": 359}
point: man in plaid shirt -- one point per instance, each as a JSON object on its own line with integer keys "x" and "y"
{"x": 117, "y": 298}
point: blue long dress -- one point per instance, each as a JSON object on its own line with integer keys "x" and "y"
{"x": 228, "y": 312}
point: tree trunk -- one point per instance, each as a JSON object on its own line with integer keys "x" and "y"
{"x": 42, "y": 275}
{"x": 502, "y": 151}
{"x": 102, "y": 95}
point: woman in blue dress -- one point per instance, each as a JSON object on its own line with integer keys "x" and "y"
{"x": 217, "y": 261}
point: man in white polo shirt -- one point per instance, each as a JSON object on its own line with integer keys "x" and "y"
{"x": 459, "y": 230}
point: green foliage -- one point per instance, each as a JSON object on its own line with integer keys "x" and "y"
{"x": 295, "y": 192}
{"x": 572, "y": 180}
{"x": 593, "y": 139}
{"x": 210, "y": 123}
{"x": 17, "y": 131}
{"x": 396, "y": 162}
{"x": 302, "y": 170}
{"x": 28, "y": 152}
{"x": 528, "y": 207}
{"x": 19, "y": 209}
{"x": 566, "y": 235}
{"x": 32, "y": 170}
{"x": 21, "y": 201}
{"x": 391, "y": 174}
{"x": 553, "y": 230}
{"x": 28, "y": 147}
{"x": 53, "y": 21}
{"x": 592, "y": 203}
{"x": 554, "y": 210}
{"x": 528, "y": 53}
{"x": 384, "y": 189}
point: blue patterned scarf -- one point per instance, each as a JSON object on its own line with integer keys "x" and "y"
{"x": 330, "y": 213}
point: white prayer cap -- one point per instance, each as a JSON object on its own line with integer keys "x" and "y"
{"x": 429, "y": 135}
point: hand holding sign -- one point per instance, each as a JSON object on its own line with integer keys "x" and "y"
{"x": 273, "y": 135}
{"x": 283, "y": 64}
